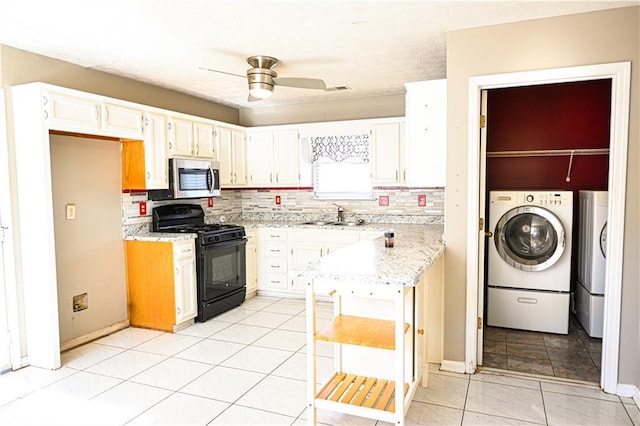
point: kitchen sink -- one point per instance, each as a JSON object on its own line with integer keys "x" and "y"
{"x": 324, "y": 222}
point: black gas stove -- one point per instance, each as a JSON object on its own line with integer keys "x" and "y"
{"x": 220, "y": 256}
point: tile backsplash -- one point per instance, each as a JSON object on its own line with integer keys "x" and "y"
{"x": 388, "y": 206}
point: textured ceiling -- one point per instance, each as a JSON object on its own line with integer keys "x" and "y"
{"x": 372, "y": 47}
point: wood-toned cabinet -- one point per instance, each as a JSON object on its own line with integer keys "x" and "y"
{"x": 232, "y": 151}
{"x": 161, "y": 284}
{"x": 144, "y": 162}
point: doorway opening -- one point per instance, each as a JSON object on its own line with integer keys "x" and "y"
{"x": 545, "y": 144}
{"x": 619, "y": 75}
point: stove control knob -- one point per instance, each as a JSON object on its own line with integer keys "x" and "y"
{"x": 529, "y": 198}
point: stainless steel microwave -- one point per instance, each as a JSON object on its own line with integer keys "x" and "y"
{"x": 190, "y": 179}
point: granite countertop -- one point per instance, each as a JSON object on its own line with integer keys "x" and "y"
{"x": 161, "y": 237}
{"x": 416, "y": 248}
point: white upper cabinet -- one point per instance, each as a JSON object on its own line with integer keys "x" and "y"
{"x": 155, "y": 151}
{"x": 204, "y": 140}
{"x": 232, "y": 154}
{"x": 70, "y": 113}
{"x": 121, "y": 120}
{"x": 260, "y": 158}
{"x": 426, "y": 139}
{"x": 273, "y": 158}
{"x": 180, "y": 137}
{"x": 387, "y": 145}
{"x": 286, "y": 157}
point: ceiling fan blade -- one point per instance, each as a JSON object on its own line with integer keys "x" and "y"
{"x": 302, "y": 83}
{"x": 223, "y": 72}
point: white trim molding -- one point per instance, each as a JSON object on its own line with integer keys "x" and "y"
{"x": 453, "y": 366}
{"x": 620, "y": 75}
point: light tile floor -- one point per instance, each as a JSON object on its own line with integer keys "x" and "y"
{"x": 247, "y": 367}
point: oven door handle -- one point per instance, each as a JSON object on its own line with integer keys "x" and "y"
{"x": 211, "y": 185}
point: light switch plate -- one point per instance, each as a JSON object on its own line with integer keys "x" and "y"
{"x": 71, "y": 211}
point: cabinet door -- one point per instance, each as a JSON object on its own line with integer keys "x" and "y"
{"x": 301, "y": 255}
{"x": 225, "y": 155}
{"x": 239, "y": 144}
{"x": 426, "y": 111}
{"x": 252, "y": 262}
{"x": 185, "y": 281}
{"x": 260, "y": 159}
{"x": 286, "y": 157}
{"x": 204, "y": 141}
{"x": 155, "y": 151}
{"x": 71, "y": 113}
{"x": 180, "y": 137}
{"x": 386, "y": 154}
{"x": 122, "y": 121}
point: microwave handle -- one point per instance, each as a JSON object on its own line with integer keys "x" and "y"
{"x": 212, "y": 186}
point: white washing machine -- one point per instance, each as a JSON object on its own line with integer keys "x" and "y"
{"x": 529, "y": 267}
{"x": 592, "y": 253}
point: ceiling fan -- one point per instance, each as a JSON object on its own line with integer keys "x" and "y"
{"x": 262, "y": 78}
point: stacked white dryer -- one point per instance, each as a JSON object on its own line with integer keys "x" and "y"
{"x": 592, "y": 249}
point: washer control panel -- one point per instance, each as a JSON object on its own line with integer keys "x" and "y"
{"x": 549, "y": 198}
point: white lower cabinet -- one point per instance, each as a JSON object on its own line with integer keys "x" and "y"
{"x": 252, "y": 262}
{"x": 185, "y": 280}
{"x": 309, "y": 245}
{"x": 272, "y": 260}
{"x": 284, "y": 251}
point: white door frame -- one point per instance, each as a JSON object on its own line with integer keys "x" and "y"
{"x": 620, "y": 75}
{"x": 8, "y": 299}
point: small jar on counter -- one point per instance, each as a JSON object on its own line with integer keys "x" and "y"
{"x": 388, "y": 239}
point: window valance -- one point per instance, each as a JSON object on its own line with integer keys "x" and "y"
{"x": 340, "y": 148}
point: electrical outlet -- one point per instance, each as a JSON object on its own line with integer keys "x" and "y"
{"x": 278, "y": 200}
{"x": 422, "y": 200}
{"x": 143, "y": 208}
{"x": 383, "y": 200}
{"x": 210, "y": 202}
{"x": 80, "y": 302}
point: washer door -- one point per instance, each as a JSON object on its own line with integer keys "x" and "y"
{"x": 530, "y": 238}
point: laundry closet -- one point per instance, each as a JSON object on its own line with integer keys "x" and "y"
{"x": 547, "y": 165}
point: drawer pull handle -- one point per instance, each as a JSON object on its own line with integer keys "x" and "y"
{"x": 275, "y": 236}
{"x": 275, "y": 266}
{"x": 274, "y": 251}
{"x": 528, "y": 300}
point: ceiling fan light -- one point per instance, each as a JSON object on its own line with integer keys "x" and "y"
{"x": 260, "y": 90}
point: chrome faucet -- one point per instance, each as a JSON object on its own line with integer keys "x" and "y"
{"x": 340, "y": 213}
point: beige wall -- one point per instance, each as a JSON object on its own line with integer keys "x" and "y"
{"x": 19, "y": 66}
{"x": 583, "y": 39}
{"x": 89, "y": 249}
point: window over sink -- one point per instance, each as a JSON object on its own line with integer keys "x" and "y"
{"x": 341, "y": 167}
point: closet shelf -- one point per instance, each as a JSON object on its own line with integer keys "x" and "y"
{"x": 549, "y": 152}
{"x": 361, "y": 331}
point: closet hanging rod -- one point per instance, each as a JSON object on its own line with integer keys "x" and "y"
{"x": 549, "y": 152}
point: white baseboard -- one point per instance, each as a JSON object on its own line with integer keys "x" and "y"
{"x": 453, "y": 366}
{"x": 630, "y": 391}
{"x": 70, "y": 344}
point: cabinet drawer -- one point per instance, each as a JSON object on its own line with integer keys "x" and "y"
{"x": 278, "y": 281}
{"x": 275, "y": 249}
{"x": 275, "y": 264}
{"x": 275, "y": 234}
{"x": 183, "y": 250}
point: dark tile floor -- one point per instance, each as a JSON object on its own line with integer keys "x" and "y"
{"x": 573, "y": 356}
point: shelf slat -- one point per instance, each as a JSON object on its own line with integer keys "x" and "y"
{"x": 369, "y": 392}
{"x": 361, "y": 331}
